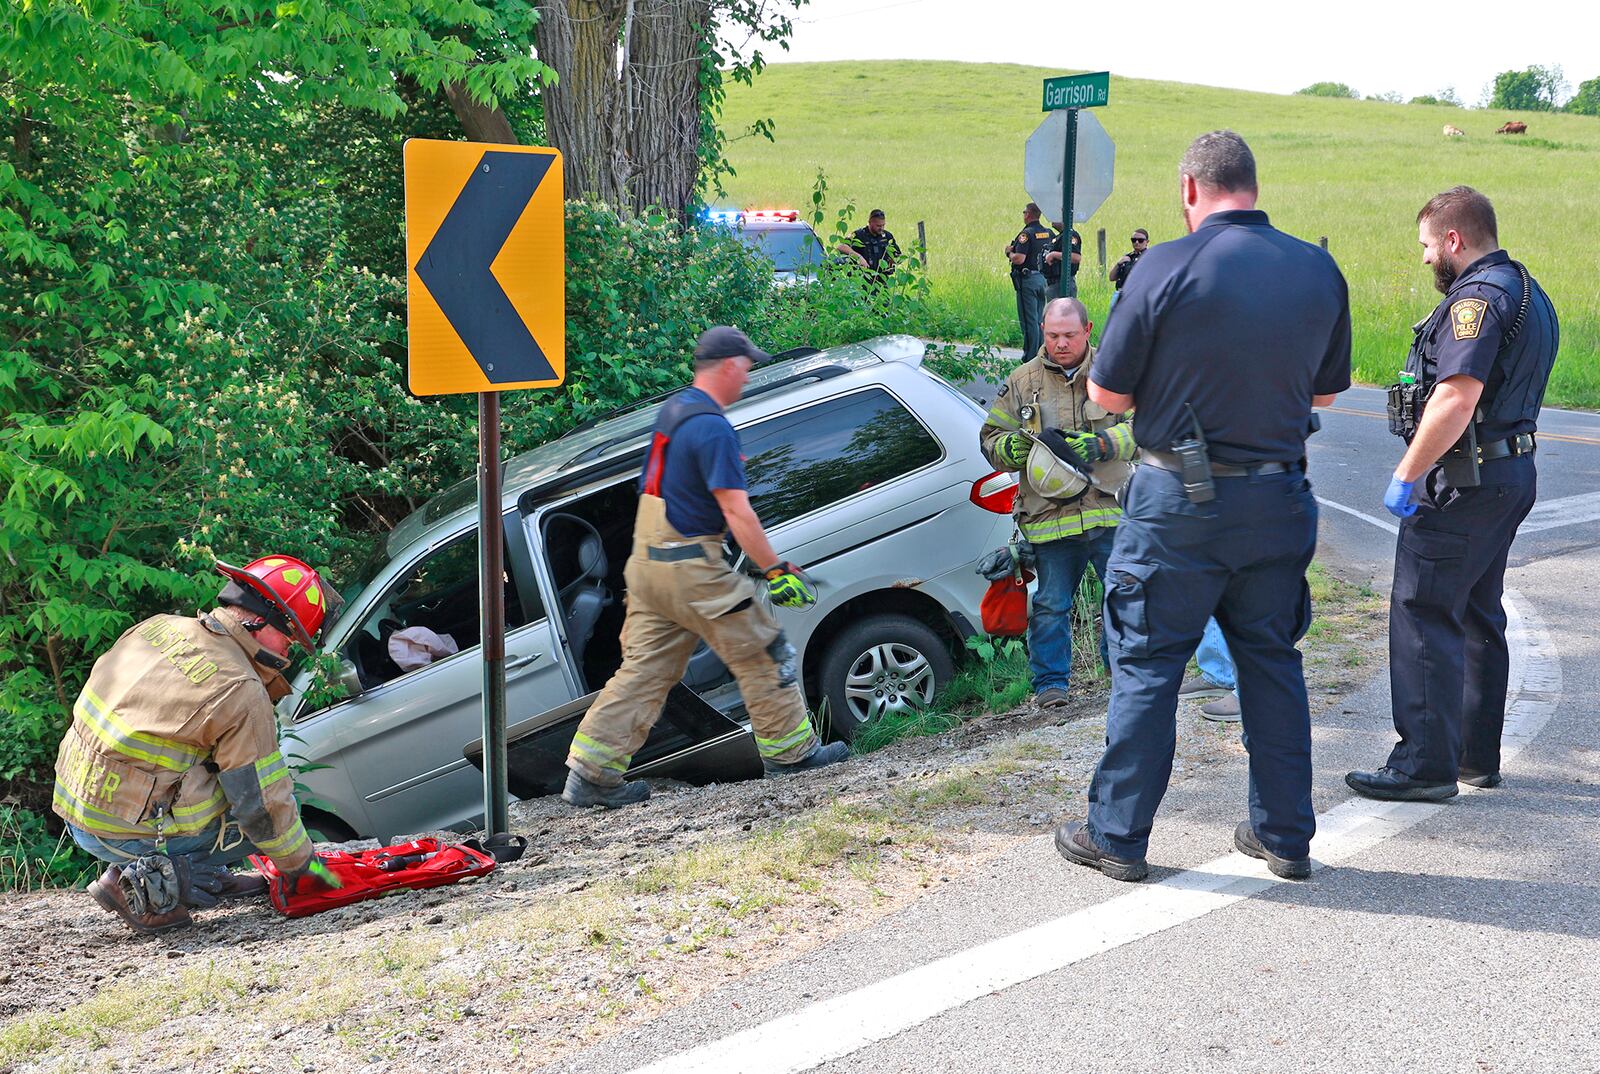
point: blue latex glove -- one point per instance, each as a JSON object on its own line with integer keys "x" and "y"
{"x": 1398, "y": 498}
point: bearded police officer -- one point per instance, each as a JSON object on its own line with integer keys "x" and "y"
{"x": 1026, "y": 253}
{"x": 1046, "y": 402}
{"x": 681, "y": 589}
{"x": 1226, "y": 340}
{"x": 873, "y": 247}
{"x": 1467, "y": 405}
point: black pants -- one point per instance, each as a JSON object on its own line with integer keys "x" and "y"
{"x": 1241, "y": 558}
{"x": 1448, "y": 663}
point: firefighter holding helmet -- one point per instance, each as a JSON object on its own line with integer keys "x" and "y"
{"x": 171, "y": 770}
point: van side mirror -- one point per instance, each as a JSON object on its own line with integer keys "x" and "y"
{"x": 349, "y": 678}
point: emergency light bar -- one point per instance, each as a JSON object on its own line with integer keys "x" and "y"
{"x": 722, "y": 216}
{"x": 790, "y": 215}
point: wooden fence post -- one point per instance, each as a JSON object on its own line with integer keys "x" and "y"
{"x": 1324, "y": 242}
{"x": 922, "y": 244}
{"x": 1100, "y": 241}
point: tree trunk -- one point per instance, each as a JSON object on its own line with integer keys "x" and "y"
{"x": 479, "y": 122}
{"x": 584, "y": 116}
{"x": 662, "y": 79}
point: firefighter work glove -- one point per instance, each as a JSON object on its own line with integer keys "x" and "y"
{"x": 787, "y": 586}
{"x": 318, "y": 870}
{"x": 1013, "y": 450}
{"x": 1091, "y": 447}
{"x": 1398, "y": 498}
{"x": 1062, "y": 449}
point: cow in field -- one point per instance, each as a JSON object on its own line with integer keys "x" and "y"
{"x": 1452, "y": 131}
{"x": 1514, "y": 126}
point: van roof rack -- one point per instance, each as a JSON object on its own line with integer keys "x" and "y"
{"x": 821, "y": 372}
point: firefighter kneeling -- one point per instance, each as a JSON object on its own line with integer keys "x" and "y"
{"x": 174, "y": 743}
{"x": 681, "y": 589}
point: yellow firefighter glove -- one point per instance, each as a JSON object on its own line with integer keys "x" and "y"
{"x": 787, "y": 586}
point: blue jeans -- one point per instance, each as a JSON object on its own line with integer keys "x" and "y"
{"x": 1243, "y": 558}
{"x": 1216, "y": 666}
{"x": 1060, "y": 569}
{"x": 201, "y": 847}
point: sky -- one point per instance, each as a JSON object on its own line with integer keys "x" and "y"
{"x": 1403, "y": 46}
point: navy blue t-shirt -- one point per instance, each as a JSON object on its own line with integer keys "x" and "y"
{"x": 703, "y": 455}
{"x": 1239, "y": 321}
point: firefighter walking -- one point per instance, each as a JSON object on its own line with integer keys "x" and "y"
{"x": 681, "y": 590}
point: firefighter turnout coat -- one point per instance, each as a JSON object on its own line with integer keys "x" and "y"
{"x": 173, "y": 730}
{"x": 1040, "y": 395}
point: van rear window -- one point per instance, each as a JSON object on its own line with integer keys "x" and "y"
{"x": 805, "y": 460}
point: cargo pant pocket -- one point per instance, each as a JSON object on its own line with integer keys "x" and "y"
{"x": 1127, "y": 609}
{"x": 1429, "y": 570}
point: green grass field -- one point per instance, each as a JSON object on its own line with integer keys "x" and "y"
{"x": 942, "y": 142}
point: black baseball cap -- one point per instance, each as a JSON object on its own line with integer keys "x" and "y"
{"x": 725, "y": 342}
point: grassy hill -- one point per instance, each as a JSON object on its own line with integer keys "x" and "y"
{"x": 942, "y": 142}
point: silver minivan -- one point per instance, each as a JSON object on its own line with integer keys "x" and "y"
{"x": 865, "y": 469}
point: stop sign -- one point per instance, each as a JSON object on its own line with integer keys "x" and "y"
{"x": 1043, "y": 159}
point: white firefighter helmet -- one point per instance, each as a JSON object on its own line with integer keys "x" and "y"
{"x": 1052, "y": 478}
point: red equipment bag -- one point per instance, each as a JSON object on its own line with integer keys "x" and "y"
{"x": 1004, "y": 607}
{"x": 370, "y": 874}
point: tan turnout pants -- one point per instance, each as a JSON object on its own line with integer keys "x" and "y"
{"x": 672, "y": 604}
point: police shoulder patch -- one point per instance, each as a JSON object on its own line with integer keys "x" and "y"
{"x": 1022, "y": 237}
{"x": 1466, "y": 317}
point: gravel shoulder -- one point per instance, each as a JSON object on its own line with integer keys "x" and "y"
{"x": 609, "y": 920}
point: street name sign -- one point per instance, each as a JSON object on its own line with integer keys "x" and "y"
{"x": 1043, "y": 164}
{"x": 1077, "y": 91}
{"x": 485, "y": 267}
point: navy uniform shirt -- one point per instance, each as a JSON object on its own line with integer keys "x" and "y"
{"x": 875, "y": 247}
{"x": 1238, "y": 320}
{"x": 1032, "y": 242}
{"x": 1466, "y": 333}
{"x": 1052, "y": 273}
{"x": 702, "y": 455}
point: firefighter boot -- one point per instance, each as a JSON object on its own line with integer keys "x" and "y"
{"x": 580, "y": 792}
{"x": 832, "y": 753}
{"x": 107, "y": 891}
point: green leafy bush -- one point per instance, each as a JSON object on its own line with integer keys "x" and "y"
{"x": 32, "y": 858}
{"x": 1328, "y": 89}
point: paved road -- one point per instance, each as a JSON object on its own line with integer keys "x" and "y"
{"x": 1462, "y": 937}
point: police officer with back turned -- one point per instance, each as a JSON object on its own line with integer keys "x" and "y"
{"x": 1467, "y": 404}
{"x": 1226, "y": 340}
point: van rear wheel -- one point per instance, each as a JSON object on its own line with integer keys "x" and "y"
{"x": 885, "y": 664}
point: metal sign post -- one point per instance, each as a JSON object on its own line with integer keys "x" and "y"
{"x": 1071, "y": 93}
{"x": 486, "y": 313}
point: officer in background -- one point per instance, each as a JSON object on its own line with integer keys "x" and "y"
{"x": 1481, "y": 361}
{"x": 1068, "y": 527}
{"x": 681, "y": 589}
{"x": 1123, "y": 269}
{"x": 1026, "y": 253}
{"x": 1227, "y": 339}
{"x": 1052, "y": 264}
{"x": 873, "y": 246}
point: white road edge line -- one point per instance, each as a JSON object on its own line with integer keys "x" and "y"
{"x": 849, "y": 1022}
{"x": 1362, "y": 515}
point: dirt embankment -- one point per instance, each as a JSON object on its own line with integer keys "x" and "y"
{"x": 608, "y": 920}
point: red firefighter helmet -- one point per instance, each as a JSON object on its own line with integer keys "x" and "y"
{"x": 285, "y": 591}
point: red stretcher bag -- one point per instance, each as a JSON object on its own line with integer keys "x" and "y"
{"x": 370, "y": 874}
{"x": 1004, "y": 608}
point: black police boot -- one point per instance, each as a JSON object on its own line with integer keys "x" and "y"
{"x": 1075, "y": 844}
{"x": 1392, "y": 785}
{"x": 1245, "y": 838}
{"x": 832, "y": 753}
{"x": 580, "y": 792}
{"x": 1479, "y": 779}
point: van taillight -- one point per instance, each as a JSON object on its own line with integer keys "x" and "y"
{"x": 997, "y": 492}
